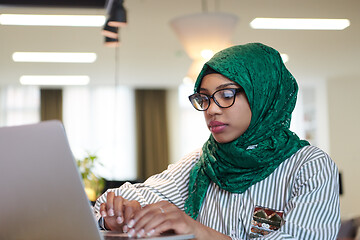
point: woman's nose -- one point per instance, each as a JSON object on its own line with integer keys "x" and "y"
{"x": 213, "y": 108}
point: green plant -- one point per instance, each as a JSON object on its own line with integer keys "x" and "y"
{"x": 93, "y": 184}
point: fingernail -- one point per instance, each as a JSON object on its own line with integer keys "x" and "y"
{"x": 140, "y": 233}
{"x": 131, "y": 223}
{"x": 111, "y": 212}
{"x": 125, "y": 228}
{"x": 131, "y": 233}
{"x": 119, "y": 220}
{"x": 149, "y": 234}
{"x": 103, "y": 213}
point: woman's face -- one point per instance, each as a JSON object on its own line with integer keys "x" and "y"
{"x": 225, "y": 124}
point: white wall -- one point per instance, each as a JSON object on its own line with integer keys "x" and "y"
{"x": 311, "y": 113}
{"x": 344, "y": 115}
{"x": 187, "y": 127}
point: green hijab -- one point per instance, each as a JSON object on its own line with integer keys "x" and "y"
{"x": 271, "y": 91}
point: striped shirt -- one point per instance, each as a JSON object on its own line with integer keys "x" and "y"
{"x": 303, "y": 190}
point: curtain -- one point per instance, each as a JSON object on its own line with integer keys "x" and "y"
{"x": 51, "y": 104}
{"x": 151, "y": 131}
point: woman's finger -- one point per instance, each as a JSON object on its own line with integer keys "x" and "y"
{"x": 110, "y": 204}
{"x": 103, "y": 210}
{"x": 119, "y": 209}
{"x": 130, "y": 208}
{"x": 150, "y": 217}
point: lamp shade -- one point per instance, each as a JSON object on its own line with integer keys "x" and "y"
{"x": 111, "y": 42}
{"x": 195, "y": 68}
{"x": 109, "y": 31}
{"x": 204, "y": 31}
{"x": 117, "y": 16}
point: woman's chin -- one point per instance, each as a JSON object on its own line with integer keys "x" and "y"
{"x": 222, "y": 139}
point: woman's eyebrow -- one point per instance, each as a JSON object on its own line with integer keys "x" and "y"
{"x": 220, "y": 86}
{"x": 226, "y": 85}
{"x": 202, "y": 89}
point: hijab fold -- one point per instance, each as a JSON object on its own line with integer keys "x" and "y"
{"x": 271, "y": 91}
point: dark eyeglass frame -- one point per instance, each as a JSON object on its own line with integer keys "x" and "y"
{"x": 234, "y": 90}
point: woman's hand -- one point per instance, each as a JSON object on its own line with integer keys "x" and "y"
{"x": 162, "y": 217}
{"x": 117, "y": 212}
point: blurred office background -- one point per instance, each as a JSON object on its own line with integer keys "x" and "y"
{"x": 141, "y": 82}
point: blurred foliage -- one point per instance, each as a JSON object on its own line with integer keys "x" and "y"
{"x": 91, "y": 180}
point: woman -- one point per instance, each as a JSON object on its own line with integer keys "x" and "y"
{"x": 253, "y": 178}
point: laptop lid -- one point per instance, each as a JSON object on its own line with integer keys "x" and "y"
{"x": 42, "y": 196}
{"x": 41, "y": 192}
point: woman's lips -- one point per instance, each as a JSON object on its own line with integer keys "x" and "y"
{"x": 217, "y": 127}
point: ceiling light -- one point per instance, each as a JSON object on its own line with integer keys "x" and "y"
{"x": 52, "y": 20}
{"x": 207, "y": 53}
{"x": 284, "y": 57}
{"x": 52, "y": 80}
{"x": 188, "y": 81}
{"x": 58, "y": 57}
{"x": 300, "y": 23}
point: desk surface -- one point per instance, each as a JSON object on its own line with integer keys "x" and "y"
{"x": 123, "y": 236}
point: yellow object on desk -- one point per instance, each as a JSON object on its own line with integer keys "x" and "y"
{"x": 91, "y": 194}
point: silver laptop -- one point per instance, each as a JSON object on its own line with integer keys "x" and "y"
{"x": 41, "y": 192}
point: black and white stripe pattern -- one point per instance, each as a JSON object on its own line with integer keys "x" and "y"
{"x": 305, "y": 187}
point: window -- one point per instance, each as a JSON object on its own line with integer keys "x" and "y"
{"x": 19, "y": 105}
{"x": 101, "y": 120}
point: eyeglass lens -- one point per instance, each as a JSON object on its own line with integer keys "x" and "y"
{"x": 223, "y": 98}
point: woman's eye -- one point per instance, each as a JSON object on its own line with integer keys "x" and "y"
{"x": 201, "y": 100}
{"x": 227, "y": 94}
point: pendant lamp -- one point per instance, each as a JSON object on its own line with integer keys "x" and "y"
{"x": 117, "y": 15}
{"x": 109, "y": 31}
{"x": 111, "y": 42}
{"x": 117, "y": 18}
{"x": 202, "y": 35}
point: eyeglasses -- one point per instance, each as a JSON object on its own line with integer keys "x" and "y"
{"x": 224, "y": 98}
